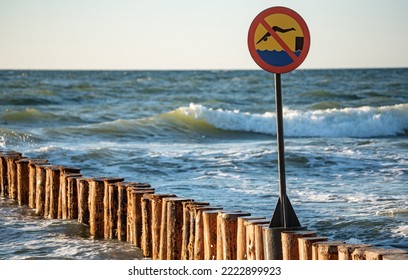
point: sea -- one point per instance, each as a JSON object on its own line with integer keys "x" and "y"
{"x": 211, "y": 136}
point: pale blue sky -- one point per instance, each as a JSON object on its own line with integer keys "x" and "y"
{"x": 192, "y": 34}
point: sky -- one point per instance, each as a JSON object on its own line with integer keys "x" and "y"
{"x": 192, "y": 34}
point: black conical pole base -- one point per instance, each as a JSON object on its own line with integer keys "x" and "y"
{"x": 284, "y": 215}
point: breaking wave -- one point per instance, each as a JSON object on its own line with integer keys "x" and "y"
{"x": 362, "y": 122}
{"x": 347, "y": 122}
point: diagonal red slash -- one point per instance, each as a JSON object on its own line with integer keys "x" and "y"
{"x": 278, "y": 39}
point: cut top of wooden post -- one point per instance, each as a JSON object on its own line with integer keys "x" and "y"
{"x": 52, "y": 167}
{"x": 11, "y": 154}
{"x": 110, "y": 180}
{"x": 346, "y": 250}
{"x": 373, "y": 253}
{"x": 233, "y": 215}
{"x": 69, "y": 170}
{"x": 399, "y": 257}
{"x": 37, "y": 161}
{"x": 134, "y": 184}
{"x": 327, "y": 250}
{"x": 23, "y": 161}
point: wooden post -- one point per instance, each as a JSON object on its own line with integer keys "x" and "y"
{"x": 122, "y": 211}
{"x": 259, "y": 243}
{"x": 359, "y": 254}
{"x": 163, "y": 230}
{"x": 134, "y": 213}
{"x": 40, "y": 171}
{"x": 11, "y": 160}
{"x": 195, "y": 246}
{"x": 112, "y": 215}
{"x": 5, "y": 184}
{"x": 241, "y": 236}
{"x": 273, "y": 241}
{"x": 185, "y": 232}
{"x": 199, "y": 231}
{"x": 227, "y": 234}
{"x": 146, "y": 233}
{"x": 396, "y": 257}
{"x": 108, "y": 228}
{"x": 65, "y": 172}
{"x": 326, "y": 250}
{"x": 175, "y": 226}
{"x": 83, "y": 198}
{"x": 4, "y": 189}
{"x": 188, "y": 231}
{"x": 373, "y": 253}
{"x": 130, "y": 230}
{"x": 22, "y": 181}
{"x": 137, "y": 219}
{"x": 210, "y": 234}
{"x": 346, "y": 250}
{"x": 306, "y": 245}
{"x": 32, "y": 183}
{"x": 290, "y": 244}
{"x": 3, "y": 174}
{"x": 147, "y": 226}
{"x": 155, "y": 200}
{"x": 72, "y": 196}
{"x": 63, "y": 200}
{"x": 96, "y": 194}
{"x": 52, "y": 192}
{"x": 251, "y": 241}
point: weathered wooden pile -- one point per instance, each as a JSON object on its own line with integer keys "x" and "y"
{"x": 164, "y": 226}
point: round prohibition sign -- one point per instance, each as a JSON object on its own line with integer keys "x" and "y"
{"x": 278, "y": 40}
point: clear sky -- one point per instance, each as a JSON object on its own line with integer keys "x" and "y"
{"x": 192, "y": 34}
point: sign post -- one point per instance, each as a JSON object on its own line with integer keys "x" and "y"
{"x": 279, "y": 41}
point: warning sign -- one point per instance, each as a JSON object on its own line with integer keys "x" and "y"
{"x": 278, "y": 40}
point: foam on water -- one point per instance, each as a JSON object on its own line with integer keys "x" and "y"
{"x": 401, "y": 231}
{"x": 2, "y": 142}
{"x": 393, "y": 211}
{"x": 347, "y": 122}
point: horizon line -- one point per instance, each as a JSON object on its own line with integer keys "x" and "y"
{"x": 199, "y": 69}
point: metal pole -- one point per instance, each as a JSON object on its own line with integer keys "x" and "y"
{"x": 279, "y": 137}
{"x": 284, "y": 215}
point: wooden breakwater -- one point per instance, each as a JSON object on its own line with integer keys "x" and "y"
{"x": 165, "y": 226}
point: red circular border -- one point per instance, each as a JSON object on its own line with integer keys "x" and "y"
{"x": 251, "y": 42}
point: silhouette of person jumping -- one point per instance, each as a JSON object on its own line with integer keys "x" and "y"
{"x": 276, "y": 29}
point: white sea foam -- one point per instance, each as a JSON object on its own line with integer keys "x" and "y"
{"x": 347, "y": 122}
{"x": 353, "y": 240}
{"x": 393, "y": 211}
{"x": 314, "y": 196}
{"x": 2, "y": 142}
{"x": 401, "y": 231}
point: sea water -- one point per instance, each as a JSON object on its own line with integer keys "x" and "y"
{"x": 211, "y": 136}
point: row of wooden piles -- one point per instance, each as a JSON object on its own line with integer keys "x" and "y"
{"x": 163, "y": 226}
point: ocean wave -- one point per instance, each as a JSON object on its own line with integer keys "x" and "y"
{"x": 34, "y": 98}
{"x": 26, "y": 115}
{"x": 348, "y": 122}
{"x": 199, "y": 121}
{"x": 31, "y": 115}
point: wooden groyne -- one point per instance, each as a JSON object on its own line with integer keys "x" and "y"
{"x": 165, "y": 226}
